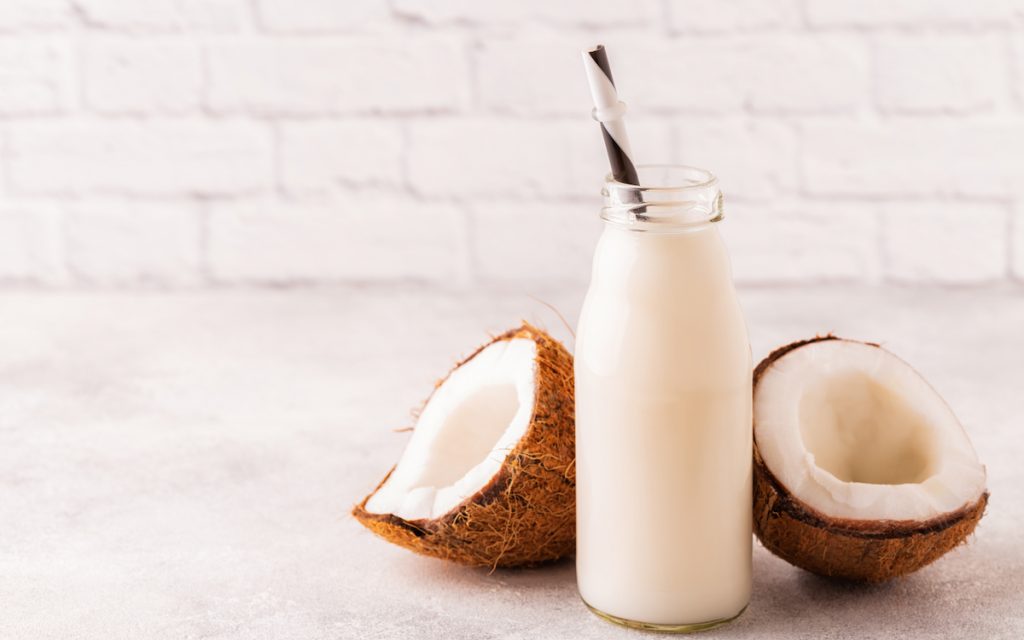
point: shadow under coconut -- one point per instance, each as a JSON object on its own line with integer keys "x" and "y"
{"x": 792, "y": 603}
{"x": 560, "y": 573}
{"x": 426, "y": 573}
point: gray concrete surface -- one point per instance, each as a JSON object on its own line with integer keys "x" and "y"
{"x": 181, "y": 466}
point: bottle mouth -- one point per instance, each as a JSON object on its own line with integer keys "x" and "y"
{"x": 668, "y": 196}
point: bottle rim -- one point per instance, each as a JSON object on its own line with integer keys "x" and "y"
{"x": 668, "y": 197}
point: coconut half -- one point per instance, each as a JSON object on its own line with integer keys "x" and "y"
{"x": 488, "y": 477}
{"x": 861, "y": 470}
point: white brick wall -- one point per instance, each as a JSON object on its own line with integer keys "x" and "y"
{"x": 915, "y": 249}
{"x": 35, "y": 77}
{"x": 30, "y": 243}
{"x": 357, "y": 74}
{"x": 192, "y": 143}
{"x": 126, "y": 75}
{"x": 112, "y": 243}
{"x": 956, "y": 74}
{"x": 317, "y": 155}
{"x": 372, "y": 238}
{"x": 150, "y": 157}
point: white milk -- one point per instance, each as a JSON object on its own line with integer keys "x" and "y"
{"x": 663, "y": 419}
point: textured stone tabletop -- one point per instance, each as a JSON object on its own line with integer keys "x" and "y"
{"x": 182, "y": 465}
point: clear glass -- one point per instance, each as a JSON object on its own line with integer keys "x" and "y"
{"x": 663, "y": 412}
{"x": 669, "y": 196}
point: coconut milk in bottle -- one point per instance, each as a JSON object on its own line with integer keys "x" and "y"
{"x": 663, "y": 412}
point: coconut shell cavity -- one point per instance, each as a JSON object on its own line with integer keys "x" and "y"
{"x": 861, "y": 470}
{"x": 487, "y": 478}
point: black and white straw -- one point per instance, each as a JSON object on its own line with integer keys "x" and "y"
{"x": 608, "y": 111}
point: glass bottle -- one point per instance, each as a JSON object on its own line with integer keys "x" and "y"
{"x": 663, "y": 412}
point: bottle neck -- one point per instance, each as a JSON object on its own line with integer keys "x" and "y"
{"x": 691, "y": 257}
{"x": 669, "y": 198}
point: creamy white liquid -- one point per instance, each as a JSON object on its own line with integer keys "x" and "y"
{"x": 663, "y": 430}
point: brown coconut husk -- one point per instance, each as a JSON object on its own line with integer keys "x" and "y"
{"x": 526, "y": 514}
{"x": 859, "y": 550}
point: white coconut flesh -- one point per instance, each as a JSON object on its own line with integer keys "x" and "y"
{"x": 464, "y": 433}
{"x": 854, "y": 432}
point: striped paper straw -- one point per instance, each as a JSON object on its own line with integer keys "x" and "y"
{"x": 608, "y": 111}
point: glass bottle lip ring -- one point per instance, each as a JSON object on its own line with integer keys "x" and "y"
{"x": 669, "y": 197}
{"x": 702, "y": 179}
